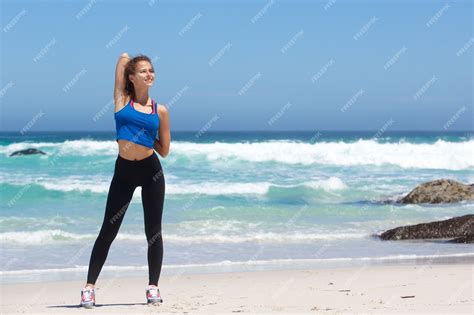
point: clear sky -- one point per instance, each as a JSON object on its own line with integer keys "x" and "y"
{"x": 242, "y": 65}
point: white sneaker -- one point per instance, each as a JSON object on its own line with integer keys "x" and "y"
{"x": 88, "y": 297}
{"x": 153, "y": 295}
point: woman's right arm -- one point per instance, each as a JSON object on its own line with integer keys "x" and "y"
{"x": 119, "y": 89}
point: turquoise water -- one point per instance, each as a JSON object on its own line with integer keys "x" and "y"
{"x": 232, "y": 199}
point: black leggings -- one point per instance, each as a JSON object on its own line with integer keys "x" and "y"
{"x": 128, "y": 174}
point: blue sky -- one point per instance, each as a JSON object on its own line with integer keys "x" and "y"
{"x": 242, "y": 65}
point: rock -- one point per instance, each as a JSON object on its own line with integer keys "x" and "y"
{"x": 461, "y": 228}
{"x": 27, "y": 152}
{"x": 440, "y": 191}
{"x": 464, "y": 239}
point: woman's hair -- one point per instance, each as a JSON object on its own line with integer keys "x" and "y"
{"x": 130, "y": 69}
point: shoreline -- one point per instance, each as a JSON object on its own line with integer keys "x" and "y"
{"x": 80, "y": 272}
{"x": 420, "y": 288}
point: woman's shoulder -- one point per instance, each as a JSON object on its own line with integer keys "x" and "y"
{"x": 162, "y": 110}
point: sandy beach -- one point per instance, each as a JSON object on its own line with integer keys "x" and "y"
{"x": 428, "y": 288}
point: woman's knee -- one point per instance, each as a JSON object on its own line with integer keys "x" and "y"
{"x": 153, "y": 236}
{"x": 108, "y": 233}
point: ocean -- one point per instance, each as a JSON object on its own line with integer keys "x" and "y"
{"x": 234, "y": 201}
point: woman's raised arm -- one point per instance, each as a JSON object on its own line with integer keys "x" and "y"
{"x": 119, "y": 88}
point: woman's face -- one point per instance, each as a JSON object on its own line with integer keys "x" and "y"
{"x": 144, "y": 75}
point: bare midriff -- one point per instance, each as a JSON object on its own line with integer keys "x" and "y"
{"x": 132, "y": 151}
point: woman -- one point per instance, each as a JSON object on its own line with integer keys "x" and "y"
{"x": 142, "y": 126}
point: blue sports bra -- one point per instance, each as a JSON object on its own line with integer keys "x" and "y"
{"x": 137, "y": 127}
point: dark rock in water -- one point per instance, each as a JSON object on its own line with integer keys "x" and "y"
{"x": 440, "y": 191}
{"x": 27, "y": 152}
{"x": 463, "y": 239}
{"x": 461, "y": 228}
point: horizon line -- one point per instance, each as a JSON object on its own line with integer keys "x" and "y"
{"x": 259, "y": 130}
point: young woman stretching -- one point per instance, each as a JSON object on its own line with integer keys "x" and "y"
{"x": 142, "y": 126}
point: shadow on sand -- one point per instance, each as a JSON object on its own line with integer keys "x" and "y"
{"x": 102, "y": 305}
